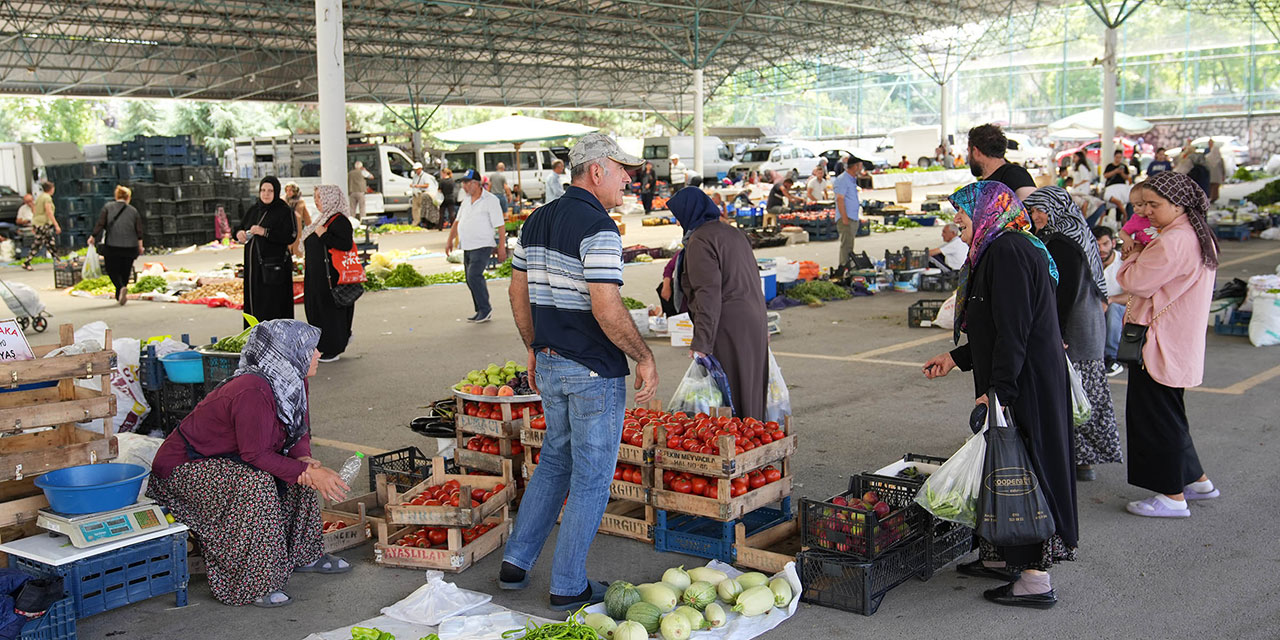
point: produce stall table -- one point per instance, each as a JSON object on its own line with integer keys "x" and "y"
{"x": 920, "y": 179}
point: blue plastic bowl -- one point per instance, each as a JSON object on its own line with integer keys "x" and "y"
{"x": 185, "y": 367}
{"x": 90, "y": 488}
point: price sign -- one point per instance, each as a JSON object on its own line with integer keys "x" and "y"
{"x": 13, "y": 344}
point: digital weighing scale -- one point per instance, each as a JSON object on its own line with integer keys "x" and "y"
{"x": 91, "y": 529}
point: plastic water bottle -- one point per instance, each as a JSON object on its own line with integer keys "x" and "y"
{"x": 351, "y": 467}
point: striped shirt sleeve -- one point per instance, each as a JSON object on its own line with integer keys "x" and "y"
{"x": 602, "y": 257}
{"x": 518, "y": 257}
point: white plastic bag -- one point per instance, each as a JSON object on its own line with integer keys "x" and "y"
{"x": 138, "y": 449}
{"x": 1081, "y": 408}
{"x": 788, "y": 270}
{"x": 696, "y": 393}
{"x": 778, "y": 401}
{"x": 951, "y": 493}
{"x": 131, "y": 404}
{"x": 434, "y": 601}
{"x": 92, "y": 264}
{"x": 1259, "y": 285}
{"x": 1264, "y": 326}
{"x": 946, "y": 318}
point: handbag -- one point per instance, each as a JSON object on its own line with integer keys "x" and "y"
{"x": 351, "y": 276}
{"x": 1133, "y": 337}
{"x": 1012, "y": 508}
{"x": 275, "y": 269}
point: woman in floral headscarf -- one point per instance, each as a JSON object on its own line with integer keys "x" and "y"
{"x": 1170, "y": 283}
{"x": 1006, "y": 306}
{"x": 330, "y": 229}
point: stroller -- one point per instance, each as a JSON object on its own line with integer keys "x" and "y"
{"x": 26, "y": 306}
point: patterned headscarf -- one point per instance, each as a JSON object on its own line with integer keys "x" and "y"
{"x": 279, "y": 351}
{"x": 1181, "y": 190}
{"x": 332, "y": 203}
{"x": 1065, "y": 218}
{"x": 994, "y": 211}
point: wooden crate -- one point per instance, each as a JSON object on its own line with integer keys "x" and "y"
{"x": 767, "y": 551}
{"x": 530, "y": 437}
{"x": 506, "y": 427}
{"x": 357, "y": 531}
{"x": 618, "y": 489}
{"x": 487, "y": 462}
{"x": 721, "y": 465}
{"x": 628, "y": 519}
{"x": 724, "y": 507}
{"x": 466, "y": 514}
{"x": 457, "y": 558}
{"x": 642, "y": 456}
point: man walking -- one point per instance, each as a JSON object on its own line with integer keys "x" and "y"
{"x": 679, "y": 174}
{"x": 478, "y": 228}
{"x": 422, "y": 186}
{"x": 987, "y": 146}
{"x": 567, "y": 305}
{"x": 552, "y": 183}
{"x": 847, "y": 207}
{"x": 357, "y": 185}
{"x": 499, "y": 188}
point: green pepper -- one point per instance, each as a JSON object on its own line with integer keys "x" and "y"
{"x": 364, "y": 633}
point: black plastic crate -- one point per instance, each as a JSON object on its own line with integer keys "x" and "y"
{"x": 150, "y": 369}
{"x": 152, "y": 225}
{"x": 162, "y": 207}
{"x": 858, "y": 532}
{"x": 945, "y": 543}
{"x": 169, "y": 224}
{"x": 132, "y": 170}
{"x": 1237, "y": 324}
{"x": 188, "y": 207}
{"x": 906, "y": 259}
{"x": 218, "y": 365}
{"x": 922, "y": 311}
{"x": 945, "y": 281}
{"x": 841, "y": 582}
{"x": 197, "y": 222}
{"x": 197, "y": 174}
{"x": 167, "y": 175}
{"x": 404, "y": 468}
{"x": 66, "y": 273}
{"x": 145, "y": 191}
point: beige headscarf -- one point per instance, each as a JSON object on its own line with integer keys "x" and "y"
{"x": 331, "y": 202}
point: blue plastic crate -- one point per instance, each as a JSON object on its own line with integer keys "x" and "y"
{"x": 124, "y": 576}
{"x": 1236, "y": 325}
{"x": 712, "y": 539}
{"x": 1238, "y": 232}
{"x": 58, "y": 623}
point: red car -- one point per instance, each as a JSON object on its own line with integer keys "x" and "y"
{"x": 1093, "y": 149}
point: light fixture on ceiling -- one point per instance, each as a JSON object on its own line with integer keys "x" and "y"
{"x": 253, "y": 78}
{"x": 298, "y": 84}
{"x": 471, "y": 11}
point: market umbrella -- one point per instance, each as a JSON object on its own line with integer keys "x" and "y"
{"x": 1072, "y": 134}
{"x": 514, "y": 130}
{"x": 1091, "y": 121}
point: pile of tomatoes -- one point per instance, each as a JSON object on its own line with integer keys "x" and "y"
{"x": 493, "y": 410}
{"x": 701, "y": 434}
{"x": 628, "y": 473}
{"x": 328, "y": 526}
{"x": 537, "y": 455}
{"x": 539, "y": 423}
{"x": 448, "y": 495}
{"x": 708, "y": 487}
{"x": 489, "y": 444}
{"x": 438, "y": 537}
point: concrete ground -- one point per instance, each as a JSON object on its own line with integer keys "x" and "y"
{"x": 860, "y": 402}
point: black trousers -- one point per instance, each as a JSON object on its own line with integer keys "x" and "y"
{"x": 1162, "y": 456}
{"x": 646, "y": 198}
{"x": 119, "y": 264}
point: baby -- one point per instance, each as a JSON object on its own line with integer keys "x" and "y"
{"x": 1139, "y": 227}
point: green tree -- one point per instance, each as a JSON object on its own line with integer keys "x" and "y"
{"x": 140, "y": 118}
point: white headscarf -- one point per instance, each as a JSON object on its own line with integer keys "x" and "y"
{"x": 331, "y": 203}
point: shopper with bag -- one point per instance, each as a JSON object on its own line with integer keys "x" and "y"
{"x": 716, "y": 274}
{"x": 329, "y": 235}
{"x": 1170, "y": 283}
{"x": 266, "y": 232}
{"x": 1006, "y": 306}
{"x": 1082, "y": 303}
{"x": 122, "y": 243}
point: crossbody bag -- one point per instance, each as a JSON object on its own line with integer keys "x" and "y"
{"x": 1133, "y": 337}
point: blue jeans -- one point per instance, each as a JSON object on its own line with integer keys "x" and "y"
{"x": 502, "y": 201}
{"x": 1115, "y": 322}
{"x": 579, "y": 453}
{"x": 474, "y": 262}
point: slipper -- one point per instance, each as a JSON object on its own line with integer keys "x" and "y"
{"x": 273, "y": 600}
{"x": 1192, "y": 494}
{"x": 1153, "y": 508}
{"x": 328, "y": 563}
{"x": 595, "y": 595}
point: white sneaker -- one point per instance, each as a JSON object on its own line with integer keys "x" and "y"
{"x": 1115, "y": 369}
{"x": 333, "y": 359}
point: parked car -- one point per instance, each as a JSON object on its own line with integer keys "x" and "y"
{"x": 1232, "y": 149}
{"x": 10, "y": 202}
{"x": 1022, "y": 151}
{"x": 833, "y": 156}
{"x": 789, "y": 159}
{"x": 1093, "y": 150}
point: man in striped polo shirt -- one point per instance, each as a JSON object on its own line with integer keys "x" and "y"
{"x": 567, "y": 271}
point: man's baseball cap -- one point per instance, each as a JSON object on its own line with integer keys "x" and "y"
{"x": 594, "y": 146}
{"x": 854, "y": 160}
{"x": 417, "y": 165}
{"x": 469, "y": 174}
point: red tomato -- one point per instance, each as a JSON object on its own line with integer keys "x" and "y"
{"x": 454, "y": 501}
{"x": 517, "y": 448}
{"x": 756, "y": 481}
{"x": 673, "y": 442}
{"x": 737, "y": 490}
{"x": 537, "y": 456}
{"x": 771, "y": 425}
{"x": 432, "y": 503}
{"x": 698, "y": 486}
{"x": 668, "y": 476}
{"x": 713, "y": 491}
{"x": 408, "y": 540}
{"x": 680, "y": 485}
{"x": 486, "y": 496}
{"x": 539, "y": 423}
{"x": 438, "y": 536}
{"x": 490, "y": 449}
{"x": 771, "y": 474}
{"x": 691, "y": 444}
{"x": 477, "y": 495}
{"x": 499, "y": 487}
{"x": 778, "y": 435}
{"x": 748, "y": 445}
{"x": 618, "y": 473}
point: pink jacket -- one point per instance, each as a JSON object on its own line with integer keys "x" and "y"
{"x": 1169, "y": 273}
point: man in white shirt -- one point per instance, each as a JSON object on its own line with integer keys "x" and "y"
{"x": 479, "y": 228}
{"x": 679, "y": 174}
{"x": 23, "y": 236}
{"x": 818, "y": 186}
{"x": 25, "y": 211}
{"x": 1116, "y": 297}
{"x": 553, "y": 184}
{"x": 951, "y": 255}
{"x": 422, "y": 186}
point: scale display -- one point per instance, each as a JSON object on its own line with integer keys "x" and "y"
{"x": 97, "y": 528}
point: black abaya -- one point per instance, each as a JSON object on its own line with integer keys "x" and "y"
{"x": 263, "y": 300}
{"x": 333, "y": 321}
{"x": 1015, "y": 347}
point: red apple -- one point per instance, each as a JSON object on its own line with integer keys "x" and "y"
{"x": 870, "y": 497}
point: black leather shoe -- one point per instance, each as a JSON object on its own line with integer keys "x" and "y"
{"x": 978, "y": 570}
{"x": 1004, "y": 595}
{"x": 1086, "y": 475}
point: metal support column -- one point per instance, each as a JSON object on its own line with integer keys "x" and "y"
{"x": 698, "y": 89}
{"x": 331, "y": 93}
{"x": 944, "y": 90}
{"x": 1108, "y": 96}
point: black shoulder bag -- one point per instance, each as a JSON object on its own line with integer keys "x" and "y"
{"x": 275, "y": 269}
{"x": 1133, "y": 337}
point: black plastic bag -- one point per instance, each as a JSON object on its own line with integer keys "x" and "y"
{"x": 1012, "y": 509}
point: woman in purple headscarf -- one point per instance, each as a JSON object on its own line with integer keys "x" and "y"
{"x": 716, "y": 274}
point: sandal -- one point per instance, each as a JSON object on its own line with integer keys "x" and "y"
{"x": 327, "y": 563}
{"x": 273, "y": 600}
{"x": 1153, "y": 508}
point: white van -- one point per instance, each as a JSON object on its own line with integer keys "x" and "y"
{"x": 717, "y": 157}
{"x": 535, "y": 164}
{"x": 784, "y": 159}
{"x": 918, "y": 144}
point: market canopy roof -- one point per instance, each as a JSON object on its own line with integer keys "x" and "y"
{"x": 1091, "y": 121}
{"x": 512, "y": 129}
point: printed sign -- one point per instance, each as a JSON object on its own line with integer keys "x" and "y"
{"x": 13, "y": 344}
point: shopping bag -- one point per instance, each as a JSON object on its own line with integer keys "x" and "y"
{"x": 1012, "y": 509}
{"x": 92, "y": 264}
{"x": 1081, "y": 408}
{"x": 698, "y": 391}
{"x": 778, "y": 400}
{"x": 951, "y": 493}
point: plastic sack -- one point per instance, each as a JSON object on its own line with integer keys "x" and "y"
{"x": 434, "y": 601}
{"x": 1012, "y": 508}
{"x": 778, "y": 398}
{"x": 1081, "y": 408}
{"x": 946, "y": 318}
{"x": 21, "y": 299}
{"x": 951, "y": 493}
{"x": 92, "y": 264}
{"x": 1270, "y": 234}
{"x": 698, "y": 391}
{"x": 138, "y": 449}
{"x": 1264, "y": 326}
{"x": 1259, "y": 285}
{"x": 788, "y": 270}
{"x": 131, "y": 404}
{"x": 6, "y": 250}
